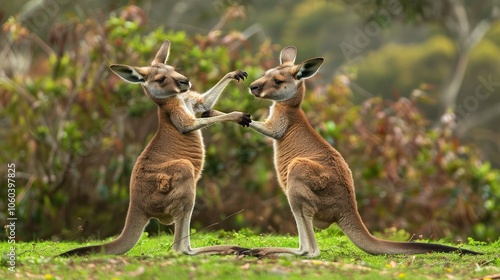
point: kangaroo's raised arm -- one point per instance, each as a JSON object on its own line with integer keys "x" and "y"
{"x": 209, "y": 98}
{"x": 164, "y": 177}
{"x": 315, "y": 178}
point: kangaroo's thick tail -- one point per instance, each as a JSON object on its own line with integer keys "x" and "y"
{"x": 134, "y": 226}
{"x": 355, "y": 230}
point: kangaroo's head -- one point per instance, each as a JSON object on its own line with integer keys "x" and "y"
{"x": 282, "y": 82}
{"x": 159, "y": 80}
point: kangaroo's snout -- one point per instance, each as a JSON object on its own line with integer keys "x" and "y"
{"x": 183, "y": 84}
{"x": 255, "y": 90}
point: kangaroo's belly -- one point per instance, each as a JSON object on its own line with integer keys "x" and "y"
{"x": 161, "y": 153}
{"x": 290, "y": 148}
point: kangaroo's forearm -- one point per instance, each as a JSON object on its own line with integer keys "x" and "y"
{"x": 212, "y": 113}
{"x": 202, "y": 123}
{"x": 210, "y": 97}
{"x": 275, "y": 132}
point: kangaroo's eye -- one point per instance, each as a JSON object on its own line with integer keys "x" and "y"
{"x": 276, "y": 81}
{"x": 161, "y": 80}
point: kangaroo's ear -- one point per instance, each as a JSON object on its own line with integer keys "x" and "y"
{"x": 288, "y": 55}
{"x": 162, "y": 54}
{"x": 130, "y": 74}
{"x": 308, "y": 68}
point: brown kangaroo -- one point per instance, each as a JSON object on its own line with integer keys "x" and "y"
{"x": 315, "y": 178}
{"x": 163, "y": 180}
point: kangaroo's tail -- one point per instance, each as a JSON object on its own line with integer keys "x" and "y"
{"x": 134, "y": 226}
{"x": 355, "y": 230}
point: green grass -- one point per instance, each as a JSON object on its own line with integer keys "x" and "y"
{"x": 152, "y": 258}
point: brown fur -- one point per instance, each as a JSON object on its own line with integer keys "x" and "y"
{"x": 314, "y": 176}
{"x": 164, "y": 177}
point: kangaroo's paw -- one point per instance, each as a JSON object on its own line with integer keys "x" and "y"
{"x": 207, "y": 114}
{"x": 246, "y": 119}
{"x": 239, "y": 75}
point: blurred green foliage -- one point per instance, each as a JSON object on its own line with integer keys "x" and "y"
{"x": 75, "y": 131}
{"x": 396, "y": 62}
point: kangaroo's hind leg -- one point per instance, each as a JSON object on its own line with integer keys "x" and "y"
{"x": 305, "y": 178}
{"x": 179, "y": 193}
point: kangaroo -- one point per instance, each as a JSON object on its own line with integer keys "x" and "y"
{"x": 315, "y": 178}
{"x": 164, "y": 177}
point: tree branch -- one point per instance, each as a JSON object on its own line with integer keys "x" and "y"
{"x": 481, "y": 117}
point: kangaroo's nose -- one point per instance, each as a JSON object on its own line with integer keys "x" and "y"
{"x": 183, "y": 84}
{"x": 255, "y": 89}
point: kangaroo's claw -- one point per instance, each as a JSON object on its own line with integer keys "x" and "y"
{"x": 240, "y": 75}
{"x": 245, "y": 120}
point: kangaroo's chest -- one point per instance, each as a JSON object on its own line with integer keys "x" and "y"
{"x": 281, "y": 163}
{"x": 300, "y": 144}
{"x": 169, "y": 145}
{"x": 285, "y": 152}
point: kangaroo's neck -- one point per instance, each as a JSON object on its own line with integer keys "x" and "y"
{"x": 172, "y": 107}
{"x": 290, "y": 111}
{"x": 165, "y": 125}
{"x": 296, "y": 100}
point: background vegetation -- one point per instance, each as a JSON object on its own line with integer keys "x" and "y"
{"x": 74, "y": 130}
